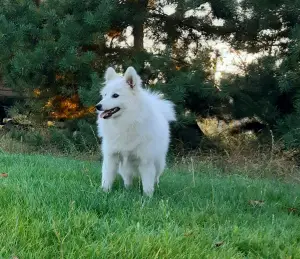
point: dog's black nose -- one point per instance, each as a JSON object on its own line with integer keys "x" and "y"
{"x": 99, "y": 107}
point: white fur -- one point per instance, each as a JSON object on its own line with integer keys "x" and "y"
{"x": 135, "y": 140}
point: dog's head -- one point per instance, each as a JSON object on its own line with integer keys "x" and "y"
{"x": 118, "y": 93}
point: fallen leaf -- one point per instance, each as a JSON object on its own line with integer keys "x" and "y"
{"x": 218, "y": 244}
{"x": 257, "y": 202}
{"x": 188, "y": 234}
{"x": 292, "y": 210}
{"x": 3, "y": 175}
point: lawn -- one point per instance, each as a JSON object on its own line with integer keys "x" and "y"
{"x": 52, "y": 208}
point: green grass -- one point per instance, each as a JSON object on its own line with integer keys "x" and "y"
{"x": 52, "y": 208}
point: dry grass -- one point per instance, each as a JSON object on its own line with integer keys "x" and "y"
{"x": 10, "y": 145}
{"x": 243, "y": 154}
{"x": 247, "y": 154}
{"x": 240, "y": 154}
{"x": 257, "y": 164}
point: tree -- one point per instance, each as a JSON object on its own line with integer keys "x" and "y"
{"x": 288, "y": 126}
{"x": 55, "y": 52}
{"x": 41, "y": 48}
{"x": 269, "y": 92}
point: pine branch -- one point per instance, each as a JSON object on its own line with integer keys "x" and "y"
{"x": 194, "y": 23}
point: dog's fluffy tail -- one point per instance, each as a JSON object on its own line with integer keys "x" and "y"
{"x": 167, "y": 109}
{"x": 164, "y": 106}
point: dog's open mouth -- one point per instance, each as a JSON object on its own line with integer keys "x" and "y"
{"x": 108, "y": 113}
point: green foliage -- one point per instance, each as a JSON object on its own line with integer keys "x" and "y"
{"x": 257, "y": 93}
{"x": 43, "y": 48}
{"x": 289, "y": 126}
{"x": 76, "y": 136}
{"x": 269, "y": 91}
{"x": 62, "y": 48}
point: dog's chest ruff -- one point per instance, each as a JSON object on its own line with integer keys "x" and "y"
{"x": 123, "y": 138}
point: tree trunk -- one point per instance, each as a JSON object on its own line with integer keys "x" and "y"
{"x": 138, "y": 25}
{"x": 138, "y": 34}
{"x": 37, "y": 2}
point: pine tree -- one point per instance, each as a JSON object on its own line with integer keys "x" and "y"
{"x": 55, "y": 53}
{"x": 288, "y": 125}
{"x": 269, "y": 90}
{"x": 42, "y": 48}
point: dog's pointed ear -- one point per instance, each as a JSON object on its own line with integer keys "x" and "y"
{"x": 132, "y": 78}
{"x": 110, "y": 74}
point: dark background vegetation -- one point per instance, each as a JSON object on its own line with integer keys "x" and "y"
{"x": 53, "y": 55}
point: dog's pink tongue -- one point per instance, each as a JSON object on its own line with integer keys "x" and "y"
{"x": 102, "y": 115}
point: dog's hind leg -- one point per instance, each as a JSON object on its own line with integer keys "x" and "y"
{"x": 160, "y": 166}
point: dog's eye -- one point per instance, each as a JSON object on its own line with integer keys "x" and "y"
{"x": 115, "y": 96}
{"x": 101, "y": 97}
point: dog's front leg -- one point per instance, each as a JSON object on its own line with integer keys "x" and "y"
{"x": 126, "y": 171}
{"x": 109, "y": 171}
{"x": 147, "y": 172}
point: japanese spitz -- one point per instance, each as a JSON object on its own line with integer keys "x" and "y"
{"x": 134, "y": 126}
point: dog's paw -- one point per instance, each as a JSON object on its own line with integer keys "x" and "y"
{"x": 127, "y": 186}
{"x": 106, "y": 188}
{"x": 148, "y": 193}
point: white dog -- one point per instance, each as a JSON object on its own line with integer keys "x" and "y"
{"x": 134, "y": 126}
